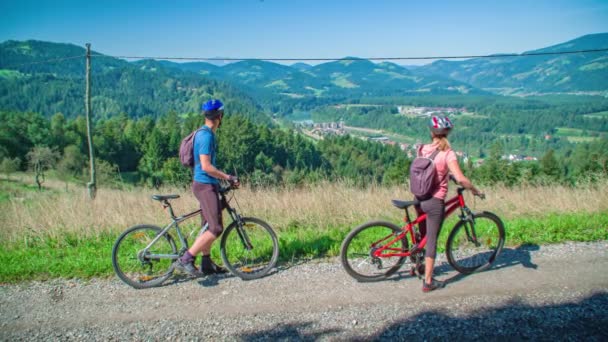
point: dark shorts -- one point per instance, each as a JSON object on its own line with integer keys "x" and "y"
{"x": 208, "y": 197}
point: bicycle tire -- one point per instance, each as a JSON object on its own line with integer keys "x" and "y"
{"x": 138, "y": 272}
{"x": 464, "y": 255}
{"x": 254, "y": 263}
{"x": 347, "y": 256}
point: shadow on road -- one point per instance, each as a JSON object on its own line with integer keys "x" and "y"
{"x": 289, "y": 332}
{"x": 509, "y": 257}
{"x": 518, "y": 256}
{"x": 584, "y": 320}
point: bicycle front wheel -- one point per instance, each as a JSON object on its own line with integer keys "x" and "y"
{"x": 143, "y": 268}
{"x": 474, "y": 245}
{"x": 356, "y": 253}
{"x": 249, "y": 248}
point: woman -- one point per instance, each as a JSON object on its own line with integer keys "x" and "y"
{"x": 445, "y": 163}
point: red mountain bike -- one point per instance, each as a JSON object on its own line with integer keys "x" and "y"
{"x": 377, "y": 249}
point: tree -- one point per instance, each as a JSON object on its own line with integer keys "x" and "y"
{"x": 41, "y": 159}
{"x": 71, "y": 164}
{"x": 396, "y": 173}
{"x": 8, "y": 166}
{"x": 173, "y": 172}
{"x": 550, "y": 165}
{"x": 155, "y": 151}
{"x": 107, "y": 173}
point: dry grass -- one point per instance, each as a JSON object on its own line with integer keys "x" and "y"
{"x": 324, "y": 205}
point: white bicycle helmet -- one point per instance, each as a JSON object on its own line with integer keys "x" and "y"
{"x": 440, "y": 125}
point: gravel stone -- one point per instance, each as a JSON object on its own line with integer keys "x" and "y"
{"x": 531, "y": 293}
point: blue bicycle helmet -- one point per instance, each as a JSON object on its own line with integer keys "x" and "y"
{"x": 212, "y": 109}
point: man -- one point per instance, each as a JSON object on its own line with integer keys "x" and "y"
{"x": 205, "y": 188}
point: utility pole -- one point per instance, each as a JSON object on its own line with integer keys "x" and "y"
{"x": 91, "y": 186}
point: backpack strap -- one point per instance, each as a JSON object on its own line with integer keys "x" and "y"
{"x": 434, "y": 154}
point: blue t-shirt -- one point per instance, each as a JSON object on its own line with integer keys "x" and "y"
{"x": 204, "y": 143}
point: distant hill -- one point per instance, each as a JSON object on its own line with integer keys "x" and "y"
{"x": 301, "y": 66}
{"x": 140, "y": 88}
{"x": 571, "y": 73}
{"x": 251, "y": 87}
{"x": 348, "y": 77}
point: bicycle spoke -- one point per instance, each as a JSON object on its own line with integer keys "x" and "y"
{"x": 473, "y": 246}
{"x": 359, "y": 246}
{"x": 249, "y": 250}
{"x": 136, "y": 267}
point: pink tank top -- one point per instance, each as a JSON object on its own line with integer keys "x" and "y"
{"x": 441, "y": 165}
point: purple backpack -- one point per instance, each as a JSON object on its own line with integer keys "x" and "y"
{"x": 423, "y": 176}
{"x": 186, "y": 150}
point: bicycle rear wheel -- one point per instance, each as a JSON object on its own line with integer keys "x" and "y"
{"x": 142, "y": 269}
{"x": 474, "y": 245}
{"x": 358, "y": 246}
{"x": 249, "y": 248}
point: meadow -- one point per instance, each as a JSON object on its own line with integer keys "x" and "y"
{"x": 60, "y": 232}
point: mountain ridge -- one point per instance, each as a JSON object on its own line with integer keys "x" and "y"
{"x": 534, "y": 74}
{"x": 150, "y": 87}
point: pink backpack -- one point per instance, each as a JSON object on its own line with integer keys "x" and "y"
{"x": 423, "y": 176}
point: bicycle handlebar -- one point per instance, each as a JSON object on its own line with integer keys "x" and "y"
{"x": 226, "y": 188}
{"x": 461, "y": 188}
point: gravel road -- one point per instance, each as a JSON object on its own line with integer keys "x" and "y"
{"x": 549, "y": 292}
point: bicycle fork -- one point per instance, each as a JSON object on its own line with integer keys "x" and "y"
{"x": 240, "y": 229}
{"x": 469, "y": 226}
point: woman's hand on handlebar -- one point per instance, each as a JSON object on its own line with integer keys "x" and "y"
{"x": 473, "y": 189}
{"x": 478, "y": 193}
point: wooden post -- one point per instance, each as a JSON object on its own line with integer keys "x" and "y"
{"x": 91, "y": 186}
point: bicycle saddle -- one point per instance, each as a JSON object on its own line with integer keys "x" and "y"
{"x": 404, "y": 204}
{"x": 164, "y": 197}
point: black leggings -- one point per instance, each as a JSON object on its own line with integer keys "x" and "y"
{"x": 434, "y": 209}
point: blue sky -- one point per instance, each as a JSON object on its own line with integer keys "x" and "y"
{"x": 304, "y": 28}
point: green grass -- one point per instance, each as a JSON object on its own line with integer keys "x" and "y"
{"x": 581, "y": 139}
{"x": 576, "y": 135}
{"x": 569, "y": 132}
{"x": 597, "y": 115}
{"x": 10, "y": 74}
{"x": 10, "y": 188}
{"x": 71, "y": 256}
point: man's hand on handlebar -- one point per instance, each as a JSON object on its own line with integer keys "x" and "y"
{"x": 234, "y": 181}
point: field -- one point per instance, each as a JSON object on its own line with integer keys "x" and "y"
{"x": 598, "y": 115}
{"x": 62, "y": 233}
{"x": 576, "y": 135}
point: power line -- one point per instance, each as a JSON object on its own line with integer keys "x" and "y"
{"x": 358, "y": 58}
{"x": 54, "y": 60}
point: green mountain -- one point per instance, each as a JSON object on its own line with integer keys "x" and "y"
{"x": 251, "y": 87}
{"x": 344, "y": 78}
{"x": 585, "y": 72}
{"x": 301, "y": 66}
{"x": 143, "y": 88}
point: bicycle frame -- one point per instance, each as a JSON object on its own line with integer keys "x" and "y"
{"x": 184, "y": 242}
{"x": 450, "y": 206}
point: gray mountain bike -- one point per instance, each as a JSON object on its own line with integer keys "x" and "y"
{"x": 143, "y": 255}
